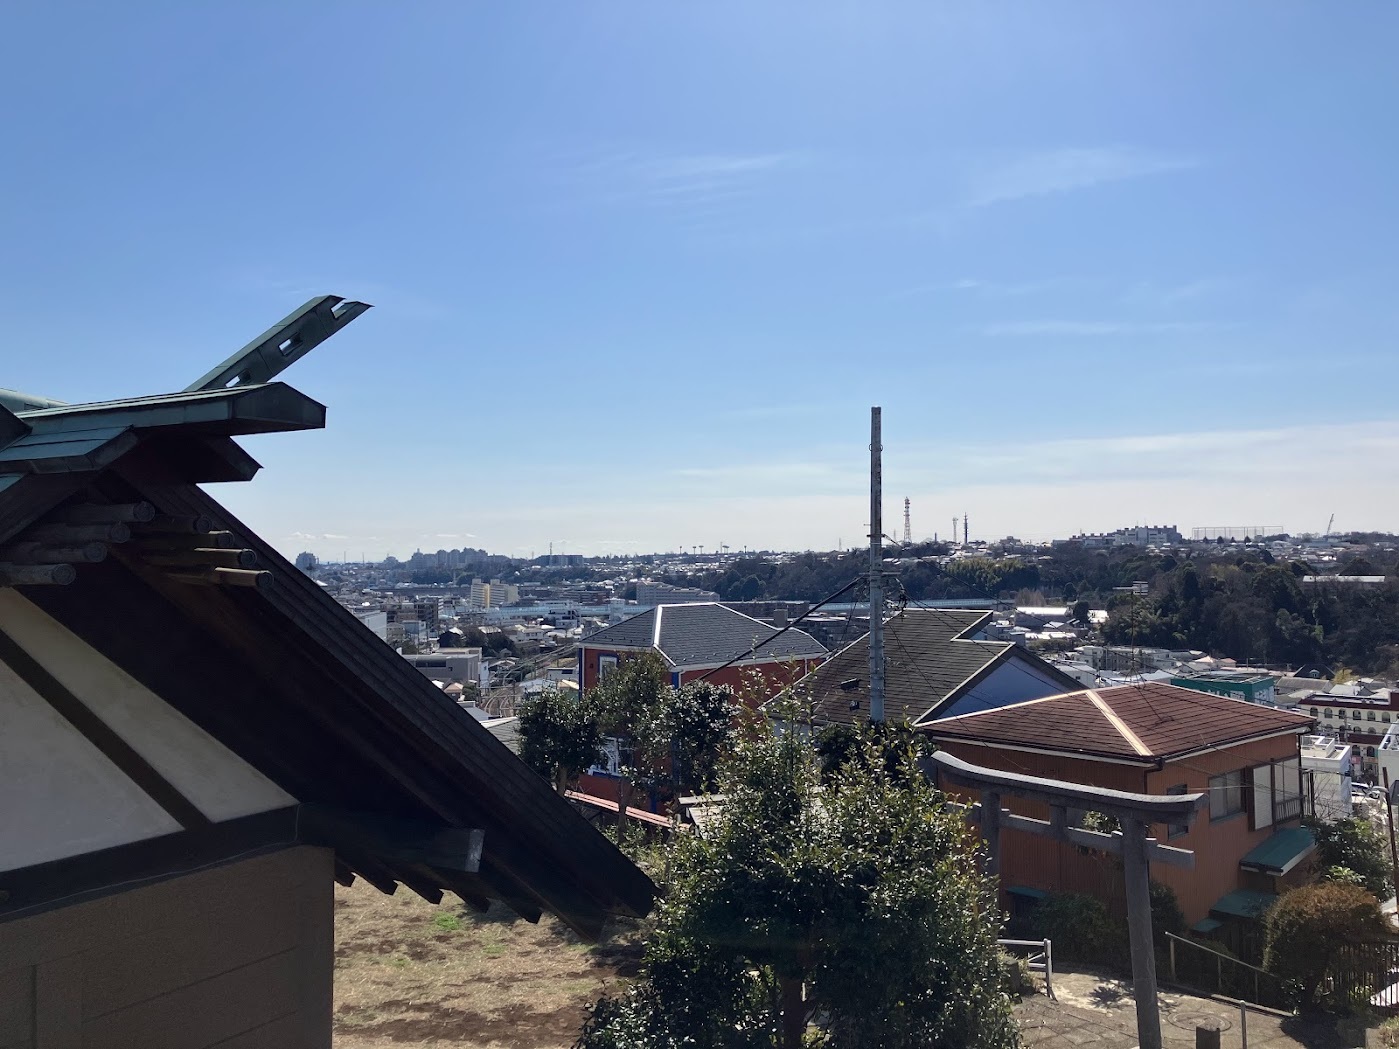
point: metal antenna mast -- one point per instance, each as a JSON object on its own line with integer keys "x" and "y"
{"x": 908, "y": 524}
{"x": 876, "y": 570}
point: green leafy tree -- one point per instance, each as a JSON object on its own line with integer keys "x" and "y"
{"x": 1309, "y": 926}
{"x": 1353, "y": 845}
{"x": 858, "y": 903}
{"x": 559, "y": 737}
{"x": 693, "y": 731}
{"x": 1080, "y": 613}
{"x": 626, "y": 702}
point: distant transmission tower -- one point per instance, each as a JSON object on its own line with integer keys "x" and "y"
{"x": 908, "y": 526}
{"x": 964, "y": 529}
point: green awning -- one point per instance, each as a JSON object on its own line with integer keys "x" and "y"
{"x": 1282, "y": 851}
{"x": 1243, "y": 903}
{"x": 1205, "y": 926}
{"x": 1026, "y": 891}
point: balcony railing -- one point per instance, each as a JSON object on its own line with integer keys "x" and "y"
{"x": 1286, "y": 807}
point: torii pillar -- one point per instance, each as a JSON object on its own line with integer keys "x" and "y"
{"x": 1134, "y": 812}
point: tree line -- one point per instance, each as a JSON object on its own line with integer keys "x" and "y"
{"x": 1234, "y": 600}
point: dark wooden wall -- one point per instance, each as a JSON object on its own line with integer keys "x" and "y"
{"x": 240, "y": 955}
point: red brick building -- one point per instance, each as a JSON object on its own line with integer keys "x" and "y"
{"x": 1154, "y": 739}
{"x": 702, "y": 640}
{"x": 697, "y": 639}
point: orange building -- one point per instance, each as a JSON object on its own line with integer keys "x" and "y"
{"x": 1154, "y": 739}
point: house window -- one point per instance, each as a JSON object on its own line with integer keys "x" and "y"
{"x": 1226, "y": 794}
{"x": 1261, "y": 777}
{"x": 1315, "y": 714}
{"x": 1175, "y": 830}
{"x": 1328, "y": 712}
{"x": 1275, "y": 793}
{"x": 1370, "y": 716}
{"x": 1384, "y": 716}
{"x": 605, "y": 666}
{"x": 1370, "y": 752}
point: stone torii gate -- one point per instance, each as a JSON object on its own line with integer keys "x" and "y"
{"x": 1067, "y": 803}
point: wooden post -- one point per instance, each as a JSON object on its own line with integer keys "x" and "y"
{"x": 991, "y": 830}
{"x": 1136, "y": 868}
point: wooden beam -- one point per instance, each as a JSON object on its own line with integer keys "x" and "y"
{"x": 74, "y": 535}
{"x": 394, "y": 840}
{"x": 178, "y": 524}
{"x": 43, "y": 554}
{"x": 202, "y": 557}
{"x": 12, "y": 574}
{"x": 177, "y": 543}
{"x": 239, "y": 577}
{"x": 106, "y": 513}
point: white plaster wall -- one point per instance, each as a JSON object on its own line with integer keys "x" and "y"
{"x": 58, "y": 795}
{"x": 219, "y": 783}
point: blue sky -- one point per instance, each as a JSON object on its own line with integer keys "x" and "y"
{"x": 640, "y": 269}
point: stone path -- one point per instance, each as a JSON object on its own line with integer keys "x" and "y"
{"x": 1097, "y": 1012}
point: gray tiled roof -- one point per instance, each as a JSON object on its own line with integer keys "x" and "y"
{"x": 706, "y": 633}
{"x": 927, "y": 665}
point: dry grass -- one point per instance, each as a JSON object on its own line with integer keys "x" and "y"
{"x": 409, "y": 973}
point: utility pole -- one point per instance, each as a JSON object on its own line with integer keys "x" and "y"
{"x": 876, "y": 572}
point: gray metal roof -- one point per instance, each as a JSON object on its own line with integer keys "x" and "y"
{"x": 706, "y": 634}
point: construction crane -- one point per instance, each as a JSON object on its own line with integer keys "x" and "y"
{"x": 1328, "y": 527}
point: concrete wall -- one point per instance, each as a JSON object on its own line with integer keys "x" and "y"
{"x": 239, "y": 956}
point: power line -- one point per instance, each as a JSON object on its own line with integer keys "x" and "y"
{"x": 768, "y": 640}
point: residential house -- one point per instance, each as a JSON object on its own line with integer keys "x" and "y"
{"x": 697, "y": 641}
{"x": 1326, "y": 775}
{"x": 704, "y": 640}
{"x": 1154, "y": 739}
{"x": 937, "y": 663}
{"x": 199, "y": 742}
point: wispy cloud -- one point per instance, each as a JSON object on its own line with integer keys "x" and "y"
{"x": 1065, "y": 170}
{"x": 692, "y": 182}
{"x": 1094, "y": 329}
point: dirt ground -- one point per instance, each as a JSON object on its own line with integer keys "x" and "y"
{"x": 411, "y": 974}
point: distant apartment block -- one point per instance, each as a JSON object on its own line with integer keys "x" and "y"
{"x": 649, "y": 593}
{"x": 1139, "y": 535}
{"x": 494, "y": 594}
{"x": 377, "y": 621}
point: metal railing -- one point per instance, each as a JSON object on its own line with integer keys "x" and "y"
{"x": 1267, "y": 988}
{"x": 1039, "y": 958}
